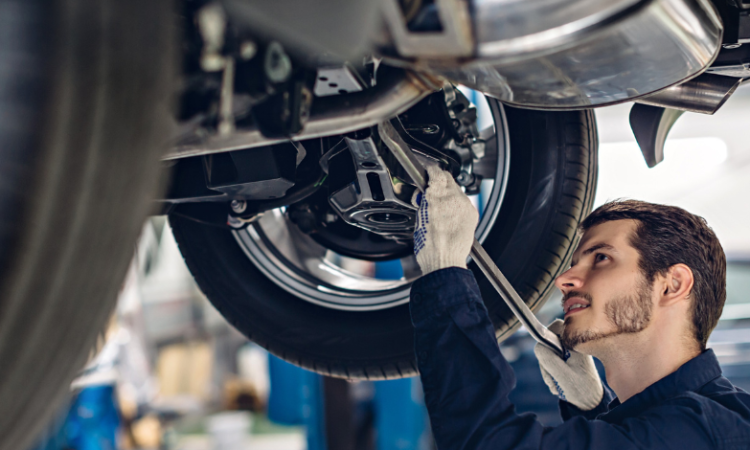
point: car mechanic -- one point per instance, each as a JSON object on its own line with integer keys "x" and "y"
{"x": 646, "y": 287}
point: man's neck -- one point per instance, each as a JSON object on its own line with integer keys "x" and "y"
{"x": 634, "y": 362}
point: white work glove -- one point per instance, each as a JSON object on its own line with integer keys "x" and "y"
{"x": 445, "y": 224}
{"x": 576, "y": 380}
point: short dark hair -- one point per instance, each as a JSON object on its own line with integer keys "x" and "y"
{"x": 668, "y": 235}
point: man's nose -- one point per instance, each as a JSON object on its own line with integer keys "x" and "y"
{"x": 570, "y": 279}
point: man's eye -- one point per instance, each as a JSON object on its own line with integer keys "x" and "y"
{"x": 599, "y": 257}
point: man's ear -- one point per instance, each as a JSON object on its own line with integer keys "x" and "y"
{"x": 678, "y": 283}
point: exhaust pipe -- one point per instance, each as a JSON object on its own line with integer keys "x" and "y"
{"x": 703, "y": 94}
{"x": 396, "y": 92}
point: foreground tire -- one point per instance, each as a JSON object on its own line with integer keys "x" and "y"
{"x": 545, "y": 203}
{"x": 550, "y": 189}
{"x": 84, "y": 86}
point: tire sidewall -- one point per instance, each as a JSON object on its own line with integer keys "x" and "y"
{"x": 379, "y": 344}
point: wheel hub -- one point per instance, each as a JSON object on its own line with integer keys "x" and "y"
{"x": 378, "y": 200}
{"x": 375, "y": 201}
{"x": 316, "y": 265}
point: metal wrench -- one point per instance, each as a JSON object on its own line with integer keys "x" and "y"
{"x": 404, "y": 155}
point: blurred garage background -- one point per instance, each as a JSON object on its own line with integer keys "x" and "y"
{"x": 172, "y": 374}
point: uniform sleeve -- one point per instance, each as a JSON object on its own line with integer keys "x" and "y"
{"x": 466, "y": 382}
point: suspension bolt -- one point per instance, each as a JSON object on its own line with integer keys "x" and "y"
{"x": 235, "y": 222}
{"x": 464, "y": 179}
{"x": 248, "y": 49}
{"x": 238, "y": 206}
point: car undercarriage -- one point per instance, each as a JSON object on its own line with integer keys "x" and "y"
{"x": 270, "y": 127}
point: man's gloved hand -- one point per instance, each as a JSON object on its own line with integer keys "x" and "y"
{"x": 576, "y": 380}
{"x": 445, "y": 223}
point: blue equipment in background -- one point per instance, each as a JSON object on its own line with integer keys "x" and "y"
{"x": 396, "y": 407}
{"x": 296, "y": 399}
{"x": 399, "y": 418}
{"x": 91, "y": 423}
{"x": 400, "y": 415}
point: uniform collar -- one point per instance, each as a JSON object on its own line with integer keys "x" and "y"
{"x": 690, "y": 377}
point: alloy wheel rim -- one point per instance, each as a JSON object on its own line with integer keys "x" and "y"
{"x": 311, "y": 272}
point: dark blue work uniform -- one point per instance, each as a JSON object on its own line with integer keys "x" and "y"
{"x": 466, "y": 383}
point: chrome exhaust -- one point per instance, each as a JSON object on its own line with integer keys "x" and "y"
{"x": 561, "y": 54}
{"x": 396, "y": 92}
{"x": 704, "y": 94}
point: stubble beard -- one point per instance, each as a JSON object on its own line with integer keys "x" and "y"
{"x": 628, "y": 314}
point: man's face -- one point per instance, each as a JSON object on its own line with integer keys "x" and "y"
{"x": 604, "y": 292}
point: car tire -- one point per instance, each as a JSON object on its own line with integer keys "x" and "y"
{"x": 84, "y": 92}
{"x": 550, "y": 190}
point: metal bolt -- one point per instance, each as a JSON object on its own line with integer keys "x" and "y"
{"x": 248, "y": 49}
{"x": 212, "y": 62}
{"x": 235, "y": 222}
{"x": 464, "y": 179}
{"x": 238, "y": 206}
{"x": 731, "y": 46}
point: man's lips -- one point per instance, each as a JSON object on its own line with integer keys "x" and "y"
{"x": 574, "y": 305}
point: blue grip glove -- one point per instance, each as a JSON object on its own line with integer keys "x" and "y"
{"x": 445, "y": 224}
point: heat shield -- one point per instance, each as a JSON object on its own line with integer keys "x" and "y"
{"x": 563, "y": 54}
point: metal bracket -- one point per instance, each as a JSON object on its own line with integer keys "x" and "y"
{"x": 704, "y": 94}
{"x": 336, "y": 80}
{"x": 372, "y": 203}
{"x": 651, "y": 125}
{"x": 456, "y": 39}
